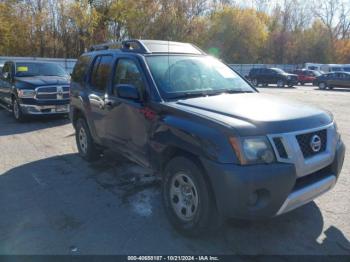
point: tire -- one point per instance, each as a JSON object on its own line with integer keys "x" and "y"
{"x": 255, "y": 82}
{"x": 280, "y": 83}
{"x": 188, "y": 198}
{"x": 322, "y": 85}
{"x": 86, "y": 146}
{"x": 17, "y": 111}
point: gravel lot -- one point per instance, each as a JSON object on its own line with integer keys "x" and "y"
{"x": 52, "y": 202}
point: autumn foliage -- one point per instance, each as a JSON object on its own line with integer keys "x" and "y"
{"x": 291, "y": 32}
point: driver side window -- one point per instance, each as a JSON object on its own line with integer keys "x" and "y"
{"x": 128, "y": 73}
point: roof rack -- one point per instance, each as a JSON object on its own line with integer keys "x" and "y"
{"x": 127, "y": 45}
{"x": 150, "y": 46}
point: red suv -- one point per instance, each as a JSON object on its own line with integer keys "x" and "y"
{"x": 306, "y": 76}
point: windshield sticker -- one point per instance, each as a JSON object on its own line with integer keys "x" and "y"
{"x": 22, "y": 69}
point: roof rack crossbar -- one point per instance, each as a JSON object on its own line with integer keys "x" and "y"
{"x": 129, "y": 45}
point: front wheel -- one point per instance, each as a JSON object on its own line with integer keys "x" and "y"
{"x": 280, "y": 83}
{"x": 255, "y": 82}
{"x": 187, "y": 197}
{"x": 17, "y": 110}
{"x": 322, "y": 85}
{"x": 86, "y": 146}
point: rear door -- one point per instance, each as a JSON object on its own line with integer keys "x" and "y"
{"x": 100, "y": 78}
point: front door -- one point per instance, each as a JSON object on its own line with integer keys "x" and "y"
{"x": 6, "y": 83}
{"x": 128, "y": 121}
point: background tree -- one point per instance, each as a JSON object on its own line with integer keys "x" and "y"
{"x": 253, "y": 31}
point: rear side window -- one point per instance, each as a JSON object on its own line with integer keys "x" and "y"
{"x": 101, "y": 72}
{"x": 80, "y": 69}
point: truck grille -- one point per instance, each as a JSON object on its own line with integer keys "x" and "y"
{"x": 304, "y": 142}
{"x": 52, "y": 93}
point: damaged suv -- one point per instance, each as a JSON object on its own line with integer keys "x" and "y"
{"x": 221, "y": 149}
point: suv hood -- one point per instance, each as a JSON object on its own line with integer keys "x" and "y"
{"x": 287, "y": 74}
{"x": 44, "y": 80}
{"x": 256, "y": 114}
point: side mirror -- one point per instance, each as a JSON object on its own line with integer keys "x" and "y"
{"x": 126, "y": 91}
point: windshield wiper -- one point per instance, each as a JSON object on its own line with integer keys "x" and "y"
{"x": 189, "y": 95}
{"x": 231, "y": 91}
{"x": 208, "y": 93}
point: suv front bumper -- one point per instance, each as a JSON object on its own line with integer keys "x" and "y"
{"x": 262, "y": 191}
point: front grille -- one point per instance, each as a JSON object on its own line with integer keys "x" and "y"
{"x": 52, "y": 93}
{"x": 280, "y": 147}
{"x": 43, "y": 96}
{"x": 304, "y": 142}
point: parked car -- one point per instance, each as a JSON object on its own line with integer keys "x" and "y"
{"x": 34, "y": 88}
{"x": 335, "y": 79}
{"x": 221, "y": 149}
{"x": 266, "y": 76}
{"x": 306, "y": 76}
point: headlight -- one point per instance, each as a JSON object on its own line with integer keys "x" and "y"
{"x": 254, "y": 150}
{"x": 26, "y": 93}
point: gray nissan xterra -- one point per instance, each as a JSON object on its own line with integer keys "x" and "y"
{"x": 221, "y": 148}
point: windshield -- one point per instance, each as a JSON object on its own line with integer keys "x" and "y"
{"x": 316, "y": 73}
{"x": 280, "y": 71}
{"x": 180, "y": 76}
{"x": 39, "y": 69}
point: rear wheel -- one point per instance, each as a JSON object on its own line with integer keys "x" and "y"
{"x": 86, "y": 146}
{"x": 322, "y": 85}
{"x": 187, "y": 198}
